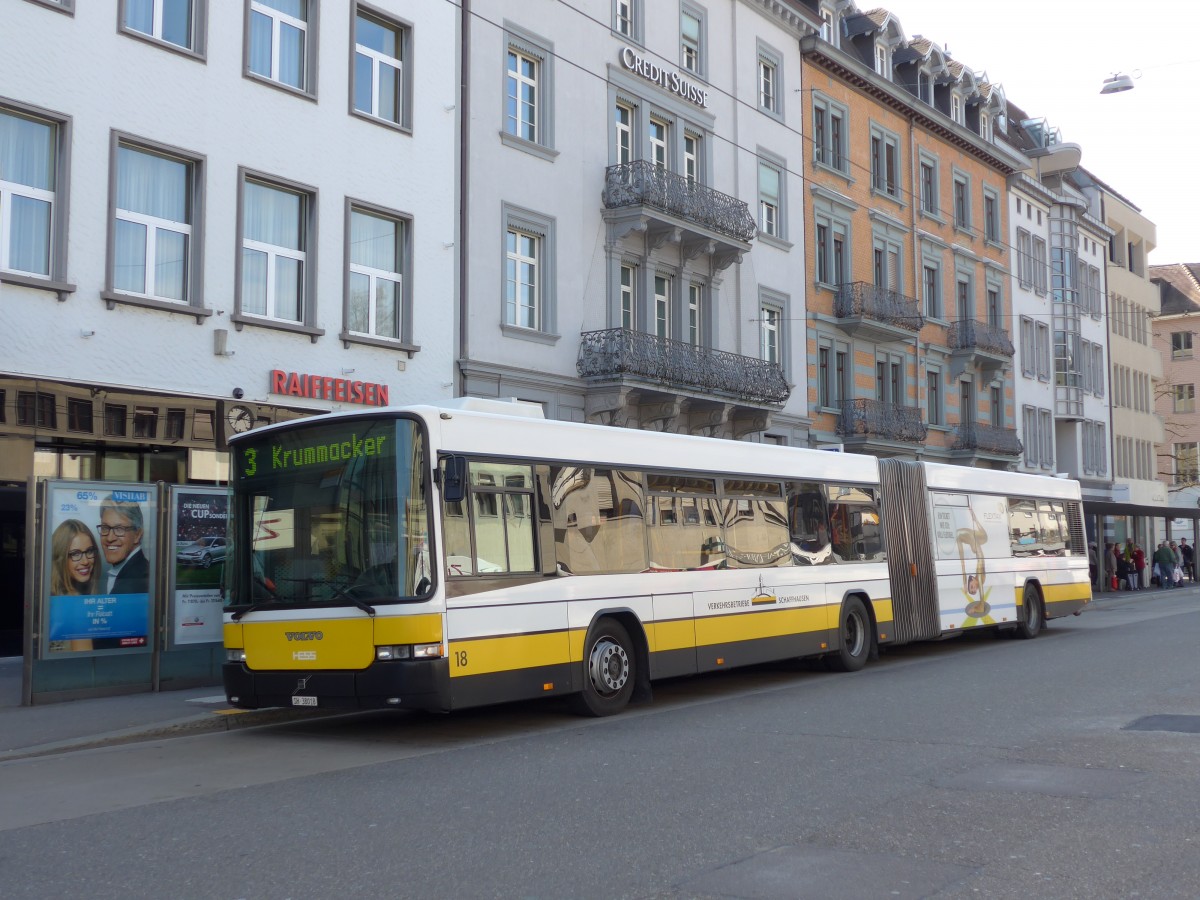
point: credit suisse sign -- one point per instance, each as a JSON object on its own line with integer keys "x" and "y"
{"x": 664, "y": 78}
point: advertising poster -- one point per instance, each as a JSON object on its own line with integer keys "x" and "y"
{"x": 98, "y": 571}
{"x": 200, "y": 519}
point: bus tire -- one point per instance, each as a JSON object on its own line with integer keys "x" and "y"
{"x": 854, "y": 637}
{"x": 609, "y": 670}
{"x": 1029, "y": 625}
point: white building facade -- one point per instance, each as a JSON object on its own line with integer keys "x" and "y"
{"x": 218, "y": 215}
{"x": 634, "y": 222}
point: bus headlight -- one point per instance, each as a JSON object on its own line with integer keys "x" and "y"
{"x": 235, "y": 654}
{"x": 427, "y": 651}
{"x": 395, "y": 651}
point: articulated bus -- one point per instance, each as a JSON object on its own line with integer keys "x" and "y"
{"x": 441, "y": 557}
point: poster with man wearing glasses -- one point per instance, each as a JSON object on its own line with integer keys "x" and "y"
{"x": 98, "y": 575}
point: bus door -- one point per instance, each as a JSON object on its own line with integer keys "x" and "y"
{"x": 904, "y": 505}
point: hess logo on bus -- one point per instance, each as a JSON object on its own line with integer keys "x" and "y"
{"x": 304, "y": 635}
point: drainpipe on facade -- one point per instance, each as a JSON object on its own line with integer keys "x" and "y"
{"x": 913, "y": 173}
{"x": 464, "y": 182}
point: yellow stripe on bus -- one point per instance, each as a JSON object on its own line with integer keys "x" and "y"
{"x": 481, "y": 656}
{"x": 729, "y": 629}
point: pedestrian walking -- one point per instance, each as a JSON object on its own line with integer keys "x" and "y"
{"x": 1139, "y": 565}
{"x": 1189, "y": 559}
{"x": 1110, "y": 566}
{"x": 1092, "y": 561}
{"x": 1164, "y": 564}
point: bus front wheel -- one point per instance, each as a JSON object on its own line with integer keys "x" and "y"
{"x": 854, "y": 637}
{"x": 608, "y": 670}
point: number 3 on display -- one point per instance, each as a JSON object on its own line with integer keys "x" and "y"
{"x": 250, "y": 455}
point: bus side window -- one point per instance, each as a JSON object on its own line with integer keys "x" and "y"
{"x": 808, "y": 524}
{"x": 597, "y": 519}
{"x": 1023, "y": 530}
{"x": 854, "y": 524}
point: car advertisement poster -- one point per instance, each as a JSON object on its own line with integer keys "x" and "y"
{"x": 199, "y": 521}
{"x": 98, "y": 573}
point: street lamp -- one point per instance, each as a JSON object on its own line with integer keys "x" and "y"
{"x": 1116, "y": 83}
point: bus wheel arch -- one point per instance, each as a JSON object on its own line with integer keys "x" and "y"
{"x": 615, "y": 665}
{"x": 855, "y": 635}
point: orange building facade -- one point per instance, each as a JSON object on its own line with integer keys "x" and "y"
{"x": 909, "y": 324}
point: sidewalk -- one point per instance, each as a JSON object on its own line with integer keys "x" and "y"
{"x": 56, "y": 727}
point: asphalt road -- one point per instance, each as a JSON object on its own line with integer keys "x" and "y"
{"x": 970, "y": 768}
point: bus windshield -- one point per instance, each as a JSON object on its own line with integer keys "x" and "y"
{"x": 330, "y": 514}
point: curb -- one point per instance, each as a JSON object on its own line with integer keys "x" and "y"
{"x": 200, "y": 723}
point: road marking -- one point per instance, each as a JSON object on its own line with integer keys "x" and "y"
{"x": 215, "y": 698}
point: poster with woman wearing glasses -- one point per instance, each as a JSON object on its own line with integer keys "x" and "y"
{"x": 99, "y": 571}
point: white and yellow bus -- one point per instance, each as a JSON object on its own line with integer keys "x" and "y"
{"x": 440, "y": 557}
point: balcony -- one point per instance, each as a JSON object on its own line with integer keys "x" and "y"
{"x": 640, "y": 196}
{"x": 865, "y": 422}
{"x": 994, "y": 440}
{"x": 640, "y": 380}
{"x": 874, "y": 313}
{"x": 978, "y": 345}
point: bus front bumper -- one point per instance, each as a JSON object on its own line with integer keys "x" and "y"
{"x": 392, "y": 684}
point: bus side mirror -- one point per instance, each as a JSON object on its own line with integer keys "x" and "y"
{"x": 454, "y": 479}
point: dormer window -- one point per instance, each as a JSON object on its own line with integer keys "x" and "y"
{"x": 956, "y": 109}
{"x": 985, "y": 126}
{"x": 828, "y": 29}
{"x": 881, "y": 60}
{"x": 925, "y": 87}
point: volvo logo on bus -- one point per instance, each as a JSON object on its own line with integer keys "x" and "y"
{"x": 304, "y": 635}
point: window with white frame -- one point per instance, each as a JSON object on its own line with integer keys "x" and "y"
{"x": 63, "y": 6}
{"x": 1043, "y": 351}
{"x": 1186, "y": 462}
{"x": 275, "y": 241}
{"x": 1181, "y": 345}
{"x": 528, "y": 112}
{"x": 282, "y": 43}
{"x": 829, "y": 134}
{"x": 1024, "y": 258}
{"x": 1085, "y": 348}
{"x": 991, "y": 217}
{"x": 1029, "y": 433}
{"x": 30, "y": 161}
{"x": 379, "y": 54}
{"x": 769, "y": 334}
{"x": 770, "y": 198}
{"x": 1098, "y": 369}
{"x": 152, "y": 227}
{"x": 885, "y": 162}
{"x": 770, "y": 88}
{"x": 179, "y": 23}
{"x": 828, "y": 26}
{"x": 956, "y": 108}
{"x": 933, "y": 396}
{"x": 627, "y": 18}
{"x": 623, "y": 133}
{"x": 659, "y": 143}
{"x": 1046, "y": 432}
{"x": 886, "y": 263}
{"x": 962, "y": 202}
{"x": 1028, "y": 349}
{"x": 1184, "y": 398}
{"x": 375, "y": 302}
{"x": 521, "y": 117}
{"x": 695, "y": 310}
{"x": 522, "y": 294}
{"x": 662, "y": 305}
{"x": 1040, "y": 270}
{"x": 929, "y": 187}
{"x": 881, "y": 60}
{"x": 629, "y": 281}
{"x": 691, "y": 39}
{"x": 931, "y": 285}
{"x": 691, "y": 157}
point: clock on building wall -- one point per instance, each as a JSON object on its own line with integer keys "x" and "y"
{"x": 239, "y": 418}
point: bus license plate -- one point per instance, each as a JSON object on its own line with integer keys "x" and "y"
{"x": 304, "y": 701}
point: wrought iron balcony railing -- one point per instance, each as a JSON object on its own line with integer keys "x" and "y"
{"x": 987, "y": 438}
{"x": 884, "y": 420}
{"x": 642, "y": 183}
{"x": 619, "y": 352}
{"x": 967, "y": 334}
{"x": 861, "y": 299}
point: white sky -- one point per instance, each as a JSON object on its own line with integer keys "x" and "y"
{"x": 1051, "y": 56}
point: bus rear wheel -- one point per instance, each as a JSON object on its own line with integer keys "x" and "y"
{"x": 1030, "y": 623}
{"x": 854, "y": 637}
{"x": 608, "y": 670}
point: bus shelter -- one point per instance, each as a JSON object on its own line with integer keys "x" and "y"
{"x": 1117, "y": 521}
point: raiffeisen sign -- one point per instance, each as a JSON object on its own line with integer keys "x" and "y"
{"x": 664, "y": 78}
